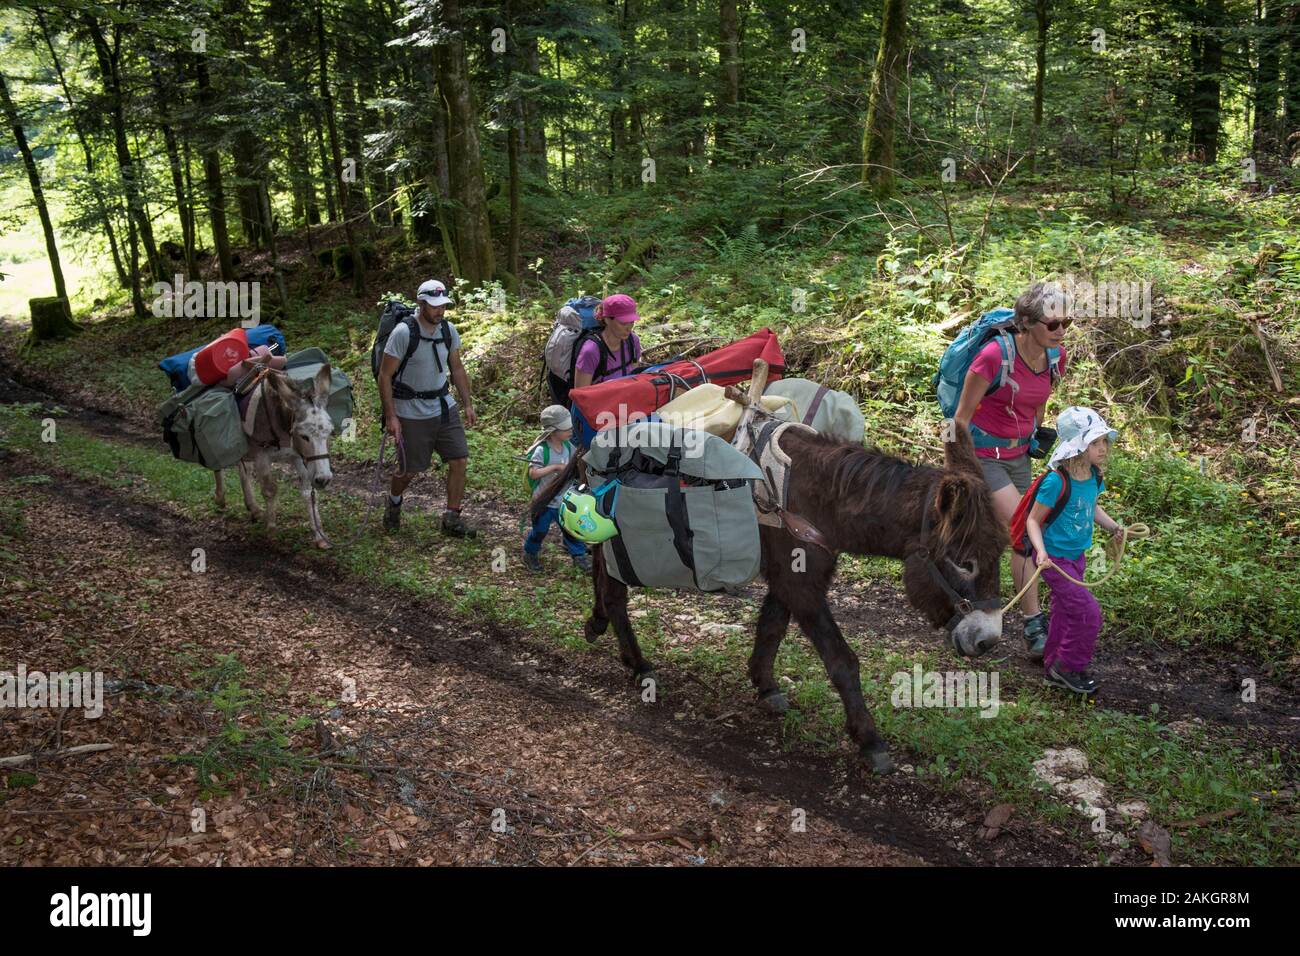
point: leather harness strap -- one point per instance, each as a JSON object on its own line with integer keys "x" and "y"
{"x": 961, "y": 605}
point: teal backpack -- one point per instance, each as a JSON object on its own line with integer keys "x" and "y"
{"x": 950, "y": 378}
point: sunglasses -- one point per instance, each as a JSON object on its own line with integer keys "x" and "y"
{"x": 1056, "y": 324}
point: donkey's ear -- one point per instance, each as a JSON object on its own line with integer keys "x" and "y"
{"x": 958, "y": 448}
{"x": 321, "y": 386}
{"x": 955, "y": 496}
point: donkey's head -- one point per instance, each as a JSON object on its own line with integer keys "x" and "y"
{"x": 308, "y": 423}
{"x": 952, "y": 573}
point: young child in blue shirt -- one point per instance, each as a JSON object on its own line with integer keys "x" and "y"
{"x": 1076, "y": 617}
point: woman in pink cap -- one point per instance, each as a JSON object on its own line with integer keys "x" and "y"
{"x": 615, "y": 350}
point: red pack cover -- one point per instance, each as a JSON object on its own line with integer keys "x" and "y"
{"x": 218, "y": 357}
{"x": 614, "y": 402}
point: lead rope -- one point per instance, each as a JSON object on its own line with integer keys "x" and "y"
{"x": 399, "y": 458}
{"x": 1114, "y": 554}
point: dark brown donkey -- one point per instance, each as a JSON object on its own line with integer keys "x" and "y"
{"x": 939, "y": 521}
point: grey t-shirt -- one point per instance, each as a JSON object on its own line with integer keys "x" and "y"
{"x": 421, "y": 372}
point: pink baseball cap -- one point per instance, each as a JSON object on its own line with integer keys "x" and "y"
{"x": 621, "y": 307}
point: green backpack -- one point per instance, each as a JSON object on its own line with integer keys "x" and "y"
{"x": 535, "y": 483}
{"x": 303, "y": 366}
{"x": 201, "y": 424}
{"x": 684, "y": 507}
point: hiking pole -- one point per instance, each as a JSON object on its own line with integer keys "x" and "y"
{"x": 1137, "y": 531}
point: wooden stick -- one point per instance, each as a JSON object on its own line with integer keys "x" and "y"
{"x": 757, "y": 382}
{"x": 20, "y": 759}
{"x": 1268, "y": 356}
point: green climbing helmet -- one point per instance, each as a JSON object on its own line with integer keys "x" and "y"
{"x": 581, "y": 516}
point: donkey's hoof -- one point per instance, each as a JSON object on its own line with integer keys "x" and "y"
{"x": 323, "y": 544}
{"x": 879, "y": 761}
{"x": 592, "y": 631}
{"x": 639, "y": 680}
{"x": 773, "y": 702}
{"x": 255, "y": 517}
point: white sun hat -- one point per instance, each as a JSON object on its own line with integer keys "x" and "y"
{"x": 1077, "y": 428}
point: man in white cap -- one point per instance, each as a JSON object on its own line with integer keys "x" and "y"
{"x": 419, "y": 410}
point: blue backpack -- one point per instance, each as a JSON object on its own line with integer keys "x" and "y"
{"x": 950, "y": 379}
{"x": 586, "y": 309}
{"x": 177, "y": 367}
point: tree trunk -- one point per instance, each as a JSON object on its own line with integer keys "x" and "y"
{"x": 465, "y": 164}
{"x": 1268, "y": 73}
{"x": 878, "y": 136}
{"x": 122, "y": 279}
{"x": 212, "y": 178}
{"x": 108, "y": 65}
{"x": 1291, "y": 124}
{"x": 1205, "y": 103}
{"x": 327, "y": 106}
{"x": 183, "y": 208}
{"x": 1040, "y": 76}
{"x": 51, "y": 319}
{"x": 564, "y": 148}
{"x": 327, "y": 178}
{"x": 38, "y": 196}
{"x": 534, "y": 117}
{"x": 729, "y": 62}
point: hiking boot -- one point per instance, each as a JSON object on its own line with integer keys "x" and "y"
{"x": 454, "y": 525}
{"x": 1036, "y": 635}
{"x": 532, "y": 562}
{"x": 582, "y": 562}
{"x": 392, "y": 515}
{"x": 1078, "y": 682}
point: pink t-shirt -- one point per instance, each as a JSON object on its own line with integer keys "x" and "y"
{"x": 620, "y": 363}
{"x": 1008, "y": 412}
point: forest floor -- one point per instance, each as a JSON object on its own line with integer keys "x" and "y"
{"x": 471, "y": 712}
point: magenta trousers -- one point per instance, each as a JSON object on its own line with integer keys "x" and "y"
{"x": 1075, "y": 620}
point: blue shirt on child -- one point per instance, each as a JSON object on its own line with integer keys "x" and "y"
{"x": 1070, "y": 535}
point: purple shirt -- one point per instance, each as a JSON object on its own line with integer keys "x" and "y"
{"x": 618, "y": 365}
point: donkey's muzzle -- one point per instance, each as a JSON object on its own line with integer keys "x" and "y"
{"x": 977, "y": 632}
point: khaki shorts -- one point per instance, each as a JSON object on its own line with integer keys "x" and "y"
{"x": 421, "y": 437}
{"x": 1000, "y": 472}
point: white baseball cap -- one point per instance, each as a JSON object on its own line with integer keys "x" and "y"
{"x": 434, "y": 293}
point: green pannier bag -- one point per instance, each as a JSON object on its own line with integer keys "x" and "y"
{"x": 684, "y": 507}
{"x": 304, "y": 365}
{"x": 201, "y": 424}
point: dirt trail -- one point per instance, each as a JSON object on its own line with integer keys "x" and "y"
{"x": 423, "y": 757}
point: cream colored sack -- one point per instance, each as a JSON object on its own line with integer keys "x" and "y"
{"x": 707, "y": 408}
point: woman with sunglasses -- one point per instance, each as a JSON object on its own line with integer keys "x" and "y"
{"x": 1003, "y": 421}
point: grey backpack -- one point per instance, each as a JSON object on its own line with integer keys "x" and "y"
{"x": 830, "y": 412}
{"x": 684, "y": 507}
